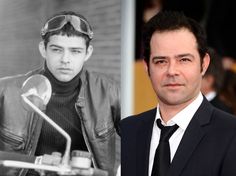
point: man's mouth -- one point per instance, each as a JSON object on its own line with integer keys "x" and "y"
{"x": 66, "y": 70}
{"x": 173, "y": 85}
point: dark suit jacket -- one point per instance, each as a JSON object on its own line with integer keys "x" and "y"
{"x": 221, "y": 105}
{"x": 208, "y": 146}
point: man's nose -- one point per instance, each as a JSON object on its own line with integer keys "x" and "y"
{"x": 172, "y": 68}
{"x": 65, "y": 57}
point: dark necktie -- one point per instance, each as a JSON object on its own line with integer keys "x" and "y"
{"x": 161, "y": 162}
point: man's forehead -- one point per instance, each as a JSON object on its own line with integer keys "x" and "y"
{"x": 67, "y": 41}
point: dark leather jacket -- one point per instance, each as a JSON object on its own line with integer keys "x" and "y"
{"x": 98, "y": 107}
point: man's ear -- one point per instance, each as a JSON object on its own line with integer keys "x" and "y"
{"x": 42, "y": 49}
{"x": 146, "y": 67}
{"x": 89, "y": 52}
{"x": 205, "y": 63}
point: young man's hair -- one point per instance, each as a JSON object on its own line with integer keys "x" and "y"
{"x": 170, "y": 21}
{"x": 67, "y": 29}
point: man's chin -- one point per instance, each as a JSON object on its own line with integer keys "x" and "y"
{"x": 173, "y": 100}
{"x": 64, "y": 78}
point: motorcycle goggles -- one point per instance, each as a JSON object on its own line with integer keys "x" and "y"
{"x": 59, "y": 21}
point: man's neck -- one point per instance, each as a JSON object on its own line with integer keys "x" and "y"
{"x": 167, "y": 112}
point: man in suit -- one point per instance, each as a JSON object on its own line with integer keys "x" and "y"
{"x": 204, "y": 143}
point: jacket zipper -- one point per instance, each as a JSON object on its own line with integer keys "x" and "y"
{"x": 12, "y": 139}
{"x": 85, "y": 137}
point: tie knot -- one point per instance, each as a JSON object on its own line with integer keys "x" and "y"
{"x": 166, "y": 131}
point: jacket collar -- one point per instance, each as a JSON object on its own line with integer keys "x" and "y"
{"x": 144, "y": 135}
{"x": 192, "y": 137}
{"x": 81, "y": 98}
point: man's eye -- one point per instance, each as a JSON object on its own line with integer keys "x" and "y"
{"x": 76, "y": 51}
{"x": 185, "y": 60}
{"x": 56, "y": 50}
{"x": 158, "y": 61}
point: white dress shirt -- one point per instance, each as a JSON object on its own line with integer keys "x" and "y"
{"x": 182, "y": 119}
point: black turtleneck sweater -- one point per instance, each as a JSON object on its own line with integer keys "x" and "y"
{"x": 61, "y": 109}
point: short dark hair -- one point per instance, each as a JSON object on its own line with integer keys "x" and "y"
{"x": 170, "y": 21}
{"x": 68, "y": 29}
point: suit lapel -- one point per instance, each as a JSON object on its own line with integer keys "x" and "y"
{"x": 192, "y": 137}
{"x": 143, "y": 142}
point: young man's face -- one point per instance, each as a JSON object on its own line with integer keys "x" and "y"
{"x": 175, "y": 69}
{"x": 65, "y": 56}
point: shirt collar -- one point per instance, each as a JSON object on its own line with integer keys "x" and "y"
{"x": 183, "y": 118}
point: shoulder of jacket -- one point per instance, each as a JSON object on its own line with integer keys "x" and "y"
{"x": 224, "y": 117}
{"x": 97, "y": 78}
{"x": 140, "y": 117}
{"x": 17, "y": 80}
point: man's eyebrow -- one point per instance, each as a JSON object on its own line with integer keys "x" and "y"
{"x": 158, "y": 57}
{"x": 77, "y": 48}
{"x": 184, "y": 55}
{"x": 176, "y": 56}
{"x": 73, "y": 48}
{"x": 53, "y": 45}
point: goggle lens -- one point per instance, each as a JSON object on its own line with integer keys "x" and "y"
{"x": 58, "y": 22}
